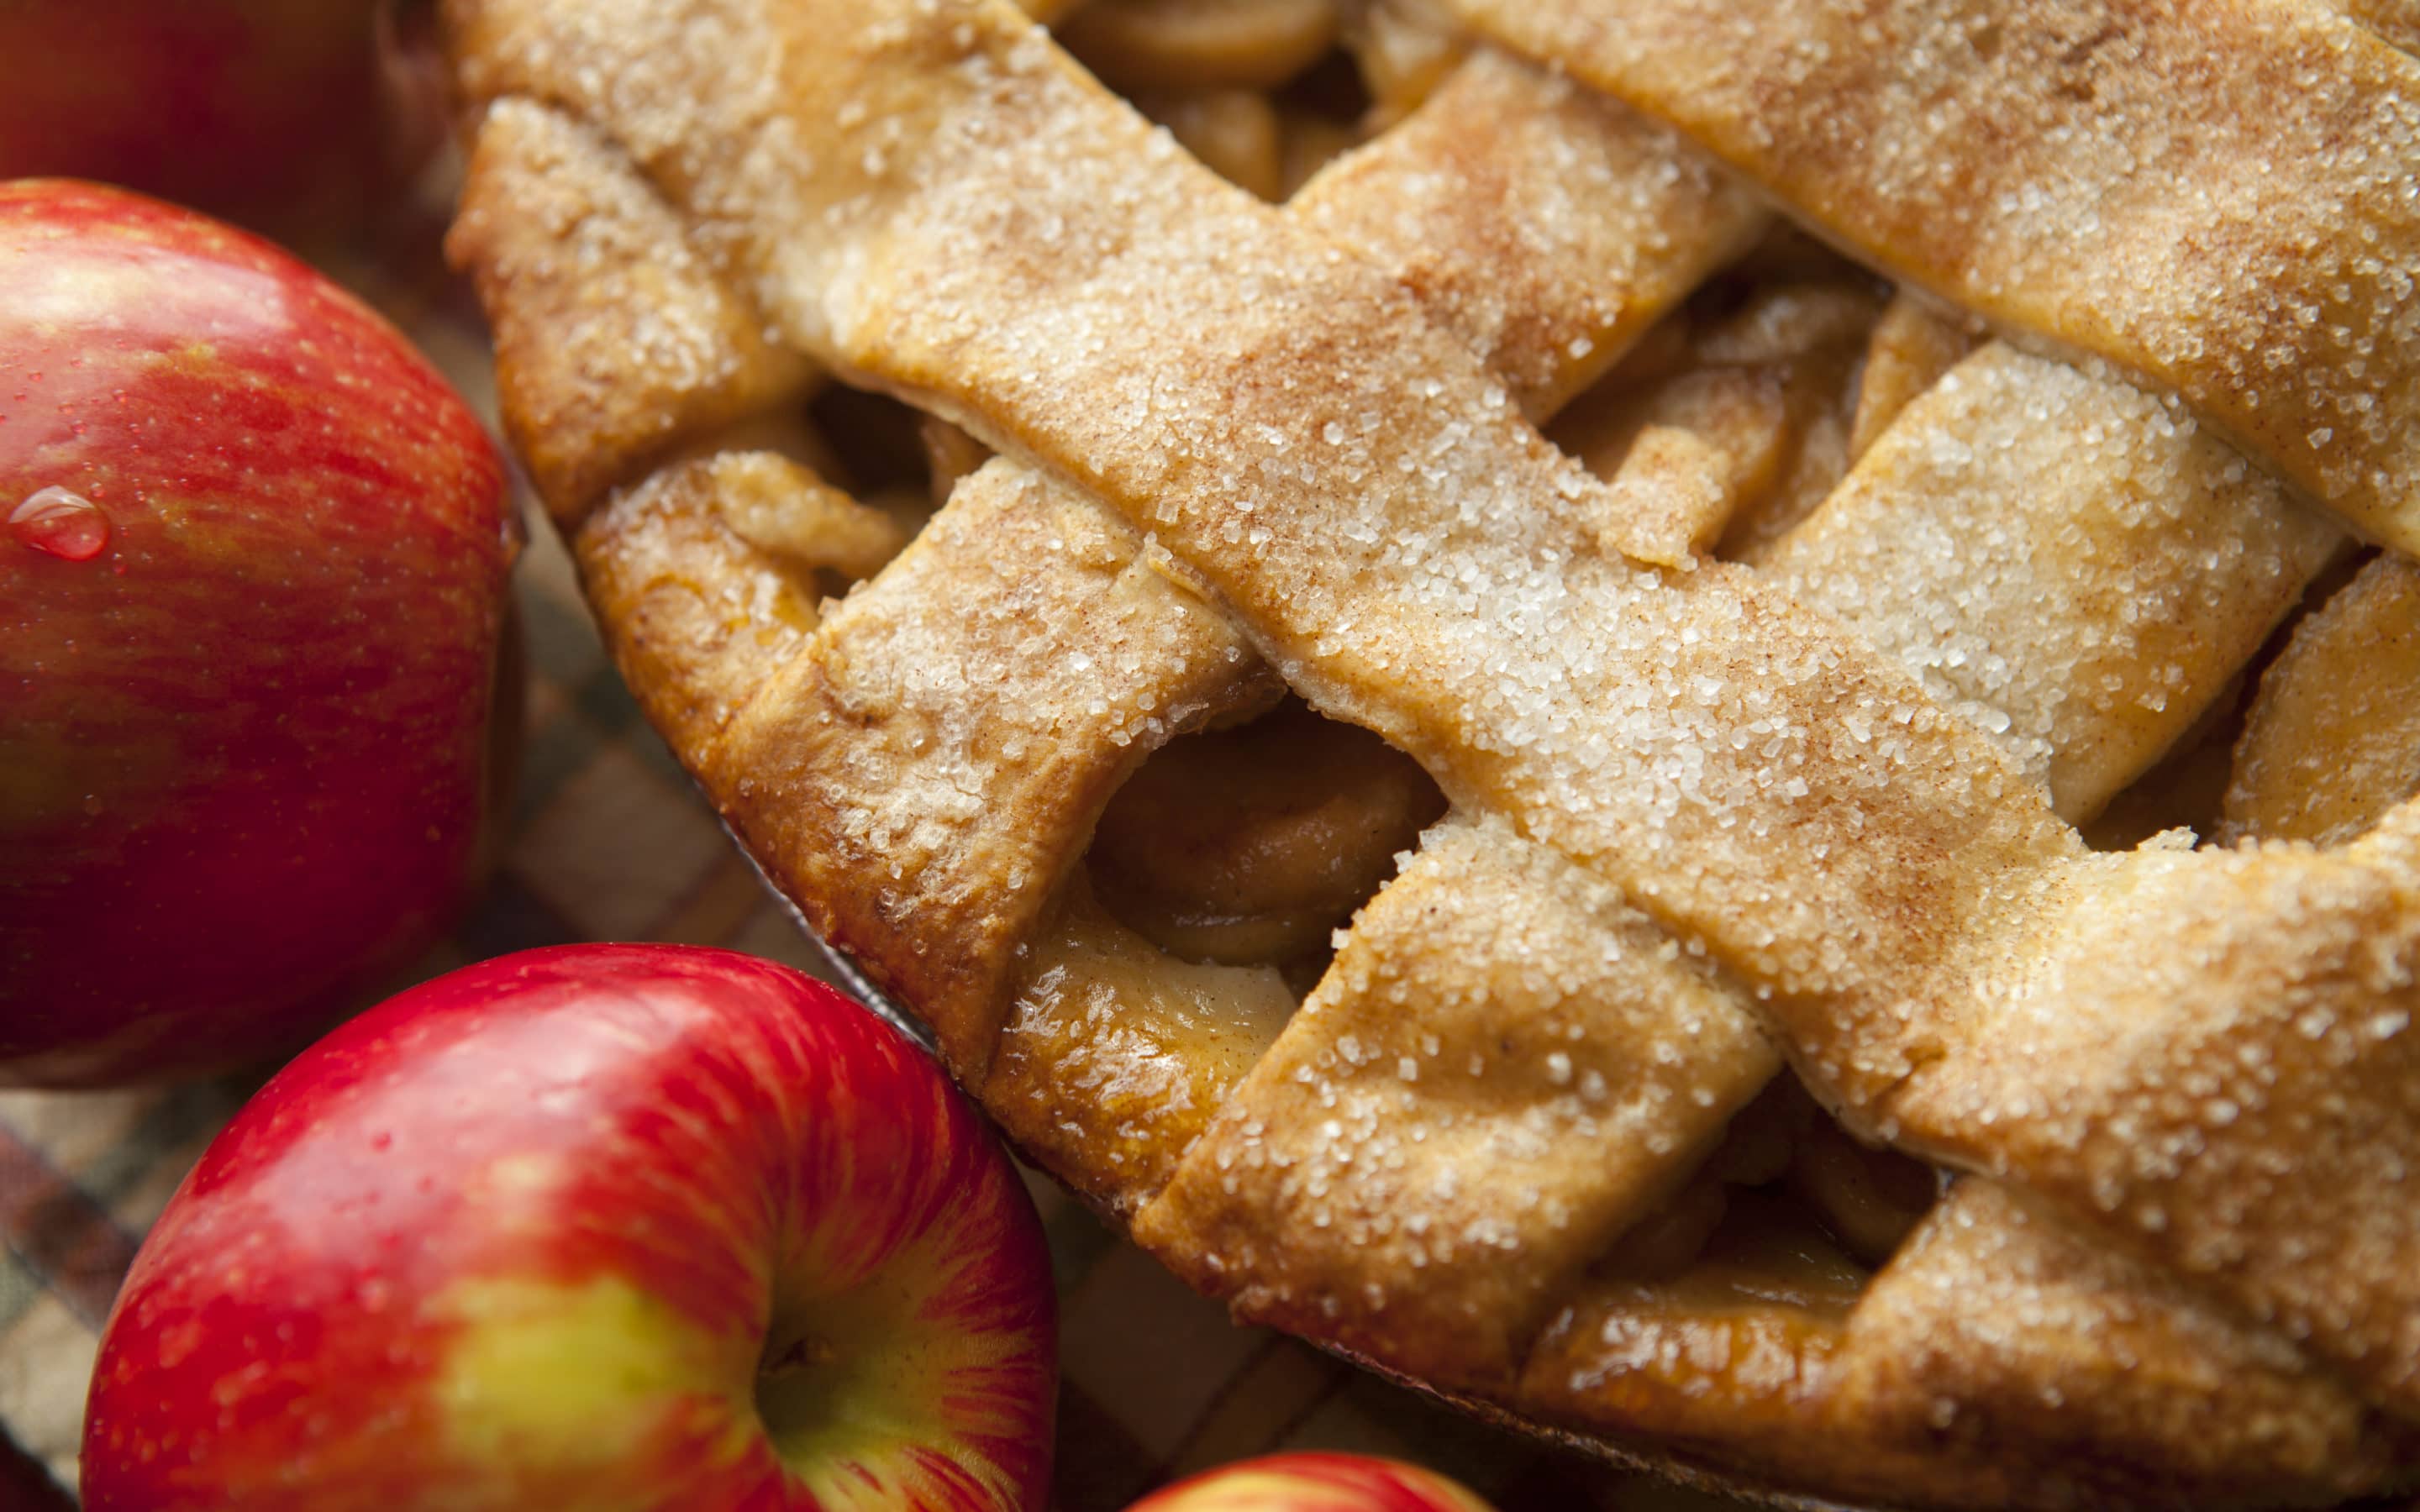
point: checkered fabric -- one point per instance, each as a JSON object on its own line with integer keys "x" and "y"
{"x": 606, "y": 839}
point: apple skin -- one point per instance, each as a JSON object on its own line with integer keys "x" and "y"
{"x": 520, "y": 1237}
{"x": 241, "y": 748}
{"x": 264, "y": 110}
{"x": 1314, "y": 1482}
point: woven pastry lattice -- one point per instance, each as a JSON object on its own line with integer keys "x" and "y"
{"x": 1764, "y": 746}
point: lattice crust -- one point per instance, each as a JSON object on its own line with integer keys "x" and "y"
{"x": 2016, "y": 482}
{"x": 622, "y": 339}
{"x": 1318, "y": 418}
{"x": 1981, "y": 1366}
{"x": 2232, "y": 233}
{"x": 1507, "y": 1064}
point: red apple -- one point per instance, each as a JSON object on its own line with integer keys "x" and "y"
{"x": 1314, "y": 1482}
{"x": 595, "y": 1227}
{"x": 252, "y": 108}
{"x": 253, "y": 564}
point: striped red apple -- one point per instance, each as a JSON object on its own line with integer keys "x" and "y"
{"x": 254, "y": 554}
{"x": 264, "y": 110}
{"x": 597, "y": 1227}
{"x": 1315, "y": 1482}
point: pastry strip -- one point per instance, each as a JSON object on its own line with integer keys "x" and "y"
{"x": 2061, "y": 561}
{"x": 622, "y": 341}
{"x": 2333, "y": 739}
{"x": 2212, "y": 194}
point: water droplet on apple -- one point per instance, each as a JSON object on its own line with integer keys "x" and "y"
{"x": 65, "y": 525}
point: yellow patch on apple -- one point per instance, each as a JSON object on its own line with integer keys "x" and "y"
{"x": 543, "y": 1374}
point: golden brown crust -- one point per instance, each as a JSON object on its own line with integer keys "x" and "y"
{"x": 1115, "y": 1058}
{"x": 2100, "y": 174}
{"x": 1544, "y": 226}
{"x": 1916, "y": 345}
{"x": 1426, "y": 1185}
{"x": 925, "y": 773}
{"x": 1739, "y": 1383}
{"x": 2228, "y": 1035}
{"x": 696, "y": 611}
{"x": 2334, "y": 740}
{"x": 2129, "y": 566}
{"x": 614, "y": 342}
{"x": 1928, "y": 1363}
{"x": 979, "y": 228}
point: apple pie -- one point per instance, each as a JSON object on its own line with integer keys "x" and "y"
{"x": 1694, "y": 718}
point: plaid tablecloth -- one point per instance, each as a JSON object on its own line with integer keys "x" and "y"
{"x": 608, "y": 840}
